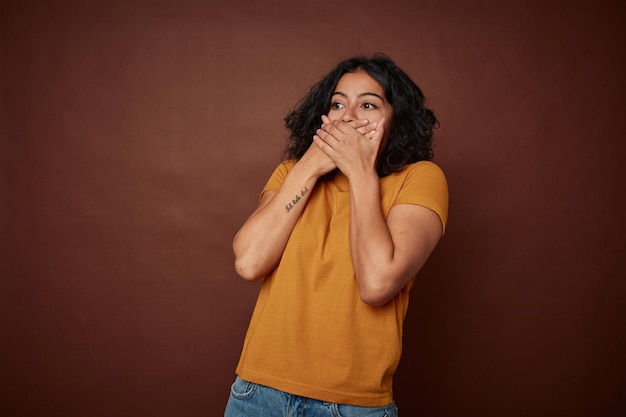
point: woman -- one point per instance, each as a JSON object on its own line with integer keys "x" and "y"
{"x": 340, "y": 232}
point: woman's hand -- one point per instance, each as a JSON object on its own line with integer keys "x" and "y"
{"x": 352, "y": 146}
{"x": 317, "y": 160}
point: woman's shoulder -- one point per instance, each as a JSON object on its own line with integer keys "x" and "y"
{"x": 279, "y": 174}
{"x": 422, "y": 169}
{"x": 286, "y": 165}
{"x": 423, "y": 166}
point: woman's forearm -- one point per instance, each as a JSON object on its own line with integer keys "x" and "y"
{"x": 259, "y": 244}
{"x": 371, "y": 244}
{"x": 387, "y": 252}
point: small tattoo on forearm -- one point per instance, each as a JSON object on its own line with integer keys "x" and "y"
{"x": 296, "y": 200}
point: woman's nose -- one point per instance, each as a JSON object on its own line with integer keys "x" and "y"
{"x": 348, "y": 115}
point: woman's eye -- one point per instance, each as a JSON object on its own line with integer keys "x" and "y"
{"x": 369, "y": 106}
{"x": 336, "y": 105}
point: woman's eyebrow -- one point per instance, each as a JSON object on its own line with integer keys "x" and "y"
{"x": 367, "y": 93}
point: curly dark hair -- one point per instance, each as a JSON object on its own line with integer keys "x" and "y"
{"x": 411, "y": 132}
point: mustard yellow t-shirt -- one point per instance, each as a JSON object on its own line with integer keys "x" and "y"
{"x": 310, "y": 334}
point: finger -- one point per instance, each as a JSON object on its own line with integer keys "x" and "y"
{"x": 367, "y": 130}
{"x": 326, "y": 137}
{"x": 379, "y": 131}
{"x": 326, "y": 124}
{"x": 323, "y": 145}
{"x": 353, "y": 123}
{"x": 339, "y": 128}
{"x": 358, "y": 123}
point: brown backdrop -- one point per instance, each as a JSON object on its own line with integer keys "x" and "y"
{"x": 136, "y": 135}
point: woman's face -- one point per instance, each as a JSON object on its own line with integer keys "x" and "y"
{"x": 358, "y": 96}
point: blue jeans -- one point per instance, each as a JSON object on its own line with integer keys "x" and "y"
{"x": 248, "y": 399}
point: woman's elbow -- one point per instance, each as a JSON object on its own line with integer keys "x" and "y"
{"x": 376, "y": 296}
{"x": 247, "y": 271}
{"x": 378, "y": 289}
{"x": 245, "y": 265}
{"x": 253, "y": 268}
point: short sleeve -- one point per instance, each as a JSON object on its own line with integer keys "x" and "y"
{"x": 278, "y": 176}
{"x": 425, "y": 185}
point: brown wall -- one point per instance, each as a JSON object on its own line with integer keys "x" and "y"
{"x": 136, "y": 134}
